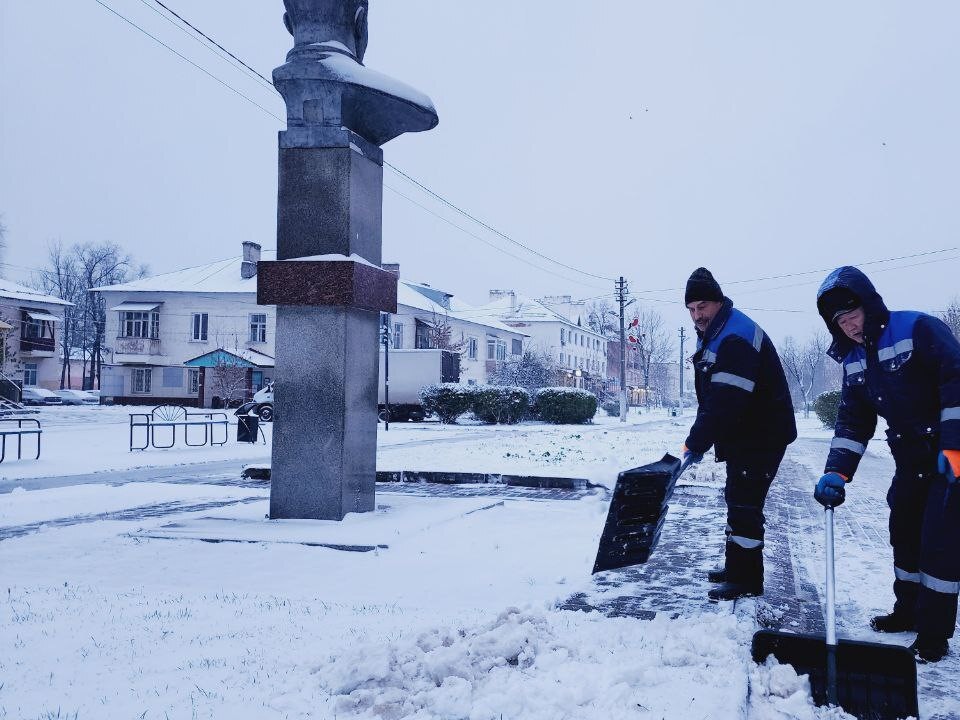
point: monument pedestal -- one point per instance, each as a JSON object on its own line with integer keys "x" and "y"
{"x": 325, "y": 439}
{"x": 327, "y": 283}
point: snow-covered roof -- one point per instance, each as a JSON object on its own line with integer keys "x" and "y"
{"x": 14, "y": 291}
{"x": 222, "y": 276}
{"x": 527, "y": 310}
{"x": 409, "y": 296}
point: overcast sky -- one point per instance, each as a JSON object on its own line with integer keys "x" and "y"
{"x": 626, "y": 137}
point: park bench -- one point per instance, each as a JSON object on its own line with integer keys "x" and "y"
{"x": 7, "y": 429}
{"x": 171, "y": 417}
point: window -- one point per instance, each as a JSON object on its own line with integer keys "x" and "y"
{"x": 140, "y": 324}
{"x": 398, "y": 335}
{"x": 199, "y": 327}
{"x": 516, "y": 347}
{"x": 193, "y": 381}
{"x": 30, "y": 374}
{"x": 142, "y": 378}
{"x": 258, "y": 327}
{"x": 496, "y": 349}
{"x": 32, "y": 328}
{"x": 563, "y": 336}
{"x": 472, "y": 348}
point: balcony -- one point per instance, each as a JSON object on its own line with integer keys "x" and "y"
{"x": 38, "y": 347}
{"x": 136, "y": 350}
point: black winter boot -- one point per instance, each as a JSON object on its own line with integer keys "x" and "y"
{"x": 929, "y": 649}
{"x": 718, "y": 574}
{"x": 733, "y": 590}
{"x": 893, "y": 623}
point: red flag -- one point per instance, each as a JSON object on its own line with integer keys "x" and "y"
{"x": 631, "y": 338}
{"x": 634, "y": 322}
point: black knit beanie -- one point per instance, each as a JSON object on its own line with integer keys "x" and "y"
{"x": 702, "y": 286}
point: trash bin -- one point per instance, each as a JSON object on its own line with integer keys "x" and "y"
{"x": 248, "y": 425}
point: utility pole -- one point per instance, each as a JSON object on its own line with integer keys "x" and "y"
{"x": 683, "y": 336}
{"x": 621, "y": 290}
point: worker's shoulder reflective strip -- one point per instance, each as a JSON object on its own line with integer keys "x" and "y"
{"x": 745, "y": 542}
{"x": 709, "y": 356}
{"x": 950, "y": 587}
{"x": 906, "y": 576}
{"x": 857, "y": 366}
{"x": 735, "y": 380}
{"x": 758, "y": 338}
{"x": 950, "y": 413}
{"x": 891, "y": 351}
{"x": 845, "y": 444}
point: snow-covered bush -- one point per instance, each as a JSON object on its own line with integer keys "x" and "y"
{"x": 563, "y": 405}
{"x": 611, "y": 407}
{"x": 499, "y": 403}
{"x": 826, "y": 406}
{"x": 448, "y": 400}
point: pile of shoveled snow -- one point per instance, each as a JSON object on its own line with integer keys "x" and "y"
{"x": 778, "y": 693}
{"x": 548, "y": 665}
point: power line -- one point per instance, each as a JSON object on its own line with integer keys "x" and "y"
{"x": 394, "y": 168}
{"x": 818, "y": 270}
{"x": 188, "y": 60}
{"x": 484, "y": 240}
{"x": 253, "y": 73}
{"x": 489, "y": 227}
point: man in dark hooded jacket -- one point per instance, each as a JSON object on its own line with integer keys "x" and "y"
{"x": 746, "y": 414}
{"x": 905, "y": 367}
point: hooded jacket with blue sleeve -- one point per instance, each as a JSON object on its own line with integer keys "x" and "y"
{"x": 907, "y": 371}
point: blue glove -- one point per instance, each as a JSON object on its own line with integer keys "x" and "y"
{"x": 947, "y": 463}
{"x": 830, "y": 490}
{"x": 690, "y": 455}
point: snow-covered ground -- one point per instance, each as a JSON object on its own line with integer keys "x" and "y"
{"x": 108, "y": 615}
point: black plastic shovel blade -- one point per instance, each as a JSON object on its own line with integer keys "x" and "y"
{"x": 874, "y": 681}
{"x": 636, "y": 515}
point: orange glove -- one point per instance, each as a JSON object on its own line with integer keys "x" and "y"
{"x": 949, "y": 464}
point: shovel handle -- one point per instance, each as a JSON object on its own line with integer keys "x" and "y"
{"x": 831, "y": 619}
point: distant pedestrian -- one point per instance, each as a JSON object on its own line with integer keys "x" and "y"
{"x": 746, "y": 414}
{"x": 903, "y": 366}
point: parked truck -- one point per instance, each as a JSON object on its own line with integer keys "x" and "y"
{"x": 410, "y": 371}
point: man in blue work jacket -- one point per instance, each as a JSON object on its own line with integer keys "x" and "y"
{"x": 905, "y": 367}
{"x": 745, "y": 412}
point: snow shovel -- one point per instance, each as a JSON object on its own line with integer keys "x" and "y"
{"x": 637, "y": 512}
{"x": 869, "y": 680}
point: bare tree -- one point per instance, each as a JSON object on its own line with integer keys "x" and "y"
{"x": 228, "y": 380}
{"x": 439, "y": 333}
{"x": 71, "y": 274}
{"x": 602, "y": 318}
{"x": 951, "y": 316}
{"x": 62, "y": 279}
{"x": 654, "y": 345}
{"x": 803, "y": 365}
{"x": 531, "y": 371}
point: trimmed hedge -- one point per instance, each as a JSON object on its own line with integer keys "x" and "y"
{"x": 826, "y": 406}
{"x": 563, "y": 405}
{"x": 448, "y": 400}
{"x": 499, "y": 403}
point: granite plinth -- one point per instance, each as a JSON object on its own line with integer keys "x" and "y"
{"x": 330, "y": 201}
{"x": 345, "y": 283}
{"x": 325, "y": 432}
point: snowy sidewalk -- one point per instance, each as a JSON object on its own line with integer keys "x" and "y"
{"x": 673, "y": 582}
